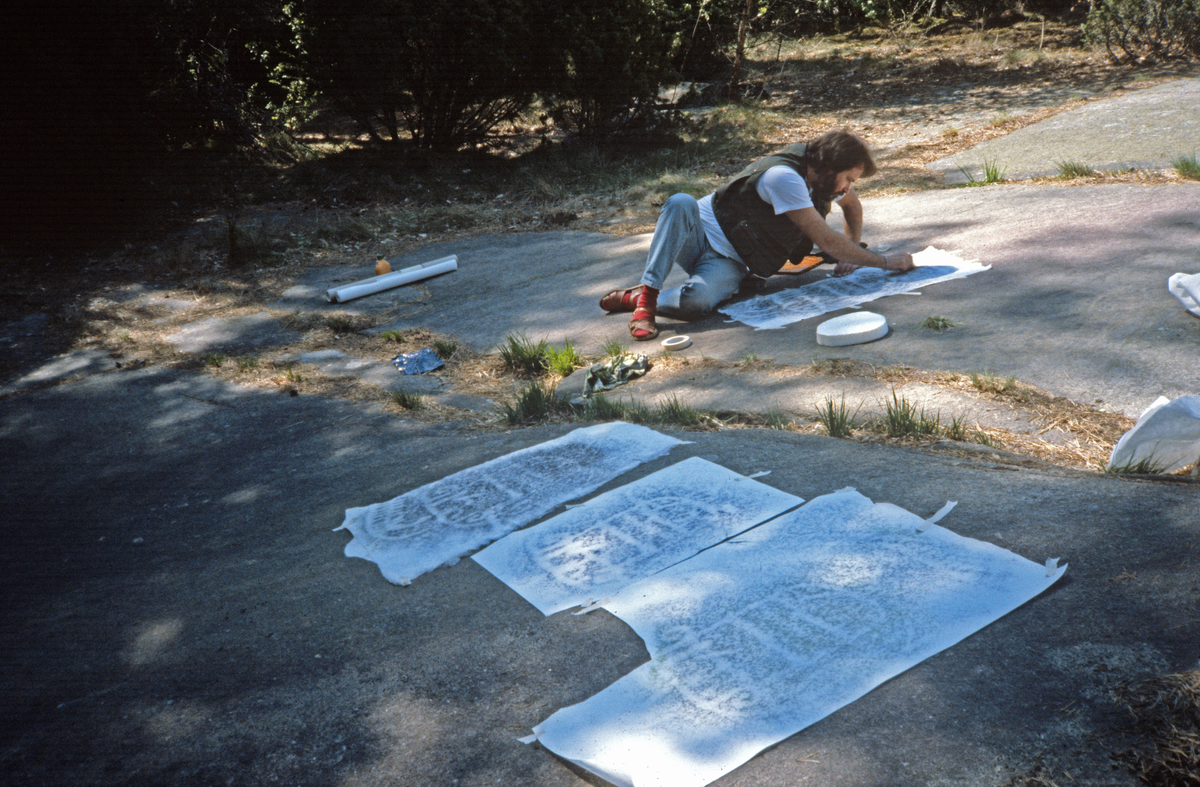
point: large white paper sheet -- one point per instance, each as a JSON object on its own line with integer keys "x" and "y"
{"x": 765, "y": 634}
{"x": 865, "y": 284}
{"x": 1165, "y": 438}
{"x": 440, "y": 522}
{"x": 592, "y": 551}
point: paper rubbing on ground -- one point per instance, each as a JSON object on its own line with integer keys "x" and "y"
{"x": 592, "y": 551}
{"x": 440, "y": 522}
{"x": 765, "y": 634}
{"x": 865, "y": 284}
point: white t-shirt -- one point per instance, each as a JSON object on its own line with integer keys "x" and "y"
{"x": 780, "y": 186}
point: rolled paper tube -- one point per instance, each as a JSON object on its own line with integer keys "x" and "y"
{"x": 395, "y": 279}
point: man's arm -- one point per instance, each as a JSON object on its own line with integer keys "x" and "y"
{"x": 841, "y": 247}
{"x": 852, "y": 215}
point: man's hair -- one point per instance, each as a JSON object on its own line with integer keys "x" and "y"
{"x": 838, "y": 151}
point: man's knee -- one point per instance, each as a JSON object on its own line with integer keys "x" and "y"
{"x": 681, "y": 205}
{"x": 698, "y": 300}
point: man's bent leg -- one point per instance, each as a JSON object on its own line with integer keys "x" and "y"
{"x": 679, "y": 239}
{"x": 713, "y": 279}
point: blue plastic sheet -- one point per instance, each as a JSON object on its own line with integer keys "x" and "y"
{"x": 417, "y": 363}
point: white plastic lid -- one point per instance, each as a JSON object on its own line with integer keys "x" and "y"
{"x": 854, "y": 328}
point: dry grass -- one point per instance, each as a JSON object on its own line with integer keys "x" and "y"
{"x": 1166, "y": 714}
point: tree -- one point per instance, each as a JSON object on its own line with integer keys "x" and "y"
{"x": 449, "y": 71}
{"x": 616, "y": 54}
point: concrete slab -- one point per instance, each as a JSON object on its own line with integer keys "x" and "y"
{"x": 178, "y": 611}
{"x": 241, "y": 333}
{"x": 1143, "y": 129}
{"x": 68, "y": 366}
{"x": 1076, "y": 302}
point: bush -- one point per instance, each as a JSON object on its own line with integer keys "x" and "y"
{"x": 616, "y": 56}
{"x": 450, "y": 71}
{"x": 1145, "y": 28}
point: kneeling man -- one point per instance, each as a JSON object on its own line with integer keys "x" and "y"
{"x": 772, "y": 212}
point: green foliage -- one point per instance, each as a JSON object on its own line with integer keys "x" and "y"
{"x": 1187, "y": 167}
{"x": 1133, "y": 29}
{"x": 524, "y": 356}
{"x": 989, "y": 382}
{"x": 566, "y": 360}
{"x": 672, "y": 412}
{"x": 702, "y": 32}
{"x": 957, "y": 430}
{"x": 445, "y": 348}
{"x": 215, "y": 359}
{"x": 936, "y": 323}
{"x": 992, "y": 173}
{"x": 247, "y": 362}
{"x": 408, "y": 401}
{"x": 614, "y": 347}
{"x": 451, "y": 70}
{"x": 392, "y": 336}
{"x": 536, "y": 403}
{"x": 1073, "y": 169}
{"x": 601, "y": 408}
{"x": 777, "y": 419}
{"x": 836, "y": 418}
{"x": 902, "y": 419}
{"x": 616, "y": 55}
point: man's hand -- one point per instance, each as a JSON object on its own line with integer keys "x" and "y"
{"x": 844, "y": 269}
{"x": 894, "y": 262}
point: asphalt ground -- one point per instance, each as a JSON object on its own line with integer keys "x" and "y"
{"x": 1076, "y": 301}
{"x": 178, "y": 610}
{"x": 1143, "y": 129}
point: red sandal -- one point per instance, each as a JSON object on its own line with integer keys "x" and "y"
{"x": 642, "y": 327}
{"x": 621, "y": 300}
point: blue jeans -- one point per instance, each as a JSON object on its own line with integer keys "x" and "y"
{"x": 679, "y": 239}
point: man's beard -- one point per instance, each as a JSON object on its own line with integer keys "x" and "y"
{"x": 824, "y": 185}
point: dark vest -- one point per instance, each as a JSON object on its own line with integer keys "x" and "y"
{"x": 764, "y": 240}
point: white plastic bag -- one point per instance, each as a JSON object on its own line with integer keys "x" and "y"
{"x": 1165, "y": 438}
{"x": 1186, "y": 287}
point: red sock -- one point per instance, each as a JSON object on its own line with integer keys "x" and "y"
{"x": 648, "y": 300}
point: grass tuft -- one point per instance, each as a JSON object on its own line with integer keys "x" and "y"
{"x": 247, "y": 362}
{"x": 836, "y": 418}
{"x": 776, "y": 419}
{"x": 393, "y": 336}
{"x": 988, "y": 382}
{"x": 566, "y": 360}
{"x": 672, "y": 412}
{"x": 536, "y": 403}
{"x": 1073, "y": 169}
{"x": 992, "y": 173}
{"x": 523, "y": 356}
{"x": 1187, "y": 167}
{"x": 1142, "y": 467}
{"x": 408, "y": 401}
{"x": 957, "y": 430}
{"x": 939, "y": 324}
{"x": 901, "y": 418}
{"x": 444, "y": 348}
{"x": 614, "y": 347}
{"x": 215, "y": 359}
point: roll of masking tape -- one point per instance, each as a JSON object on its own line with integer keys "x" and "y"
{"x": 676, "y": 343}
